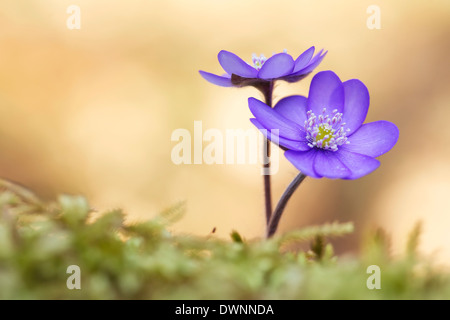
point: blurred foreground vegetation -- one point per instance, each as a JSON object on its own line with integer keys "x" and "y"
{"x": 118, "y": 260}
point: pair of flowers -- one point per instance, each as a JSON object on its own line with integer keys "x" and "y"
{"x": 323, "y": 135}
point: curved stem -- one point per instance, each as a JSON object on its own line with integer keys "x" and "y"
{"x": 273, "y": 225}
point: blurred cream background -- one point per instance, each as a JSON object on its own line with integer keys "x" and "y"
{"x": 91, "y": 111}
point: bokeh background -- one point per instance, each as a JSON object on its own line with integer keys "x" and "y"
{"x": 91, "y": 111}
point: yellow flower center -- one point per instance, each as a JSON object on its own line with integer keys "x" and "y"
{"x": 325, "y": 133}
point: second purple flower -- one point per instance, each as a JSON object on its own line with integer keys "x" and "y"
{"x": 280, "y": 66}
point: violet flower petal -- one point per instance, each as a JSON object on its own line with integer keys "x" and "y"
{"x": 359, "y": 164}
{"x": 289, "y": 144}
{"x": 303, "y": 59}
{"x": 356, "y": 104}
{"x": 303, "y": 161}
{"x": 215, "y": 79}
{"x": 293, "y": 108}
{"x": 326, "y": 91}
{"x": 327, "y": 164}
{"x": 270, "y": 120}
{"x": 276, "y": 66}
{"x": 373, "y": 139}
{"x": 315, "y": 61}
{"x": 232, "y": 64}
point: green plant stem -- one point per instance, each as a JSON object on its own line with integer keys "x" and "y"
{"x": 275, "y": 219}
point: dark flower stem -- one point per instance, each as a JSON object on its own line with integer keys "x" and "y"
{"x": 267, "y": 91}
{"x": 273, "y": 225}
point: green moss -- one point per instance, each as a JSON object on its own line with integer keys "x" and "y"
{"x": 39, "y": 241}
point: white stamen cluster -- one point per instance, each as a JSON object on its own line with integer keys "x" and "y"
{"x": 258, "y": 61}
{"x": 325, "y": 131}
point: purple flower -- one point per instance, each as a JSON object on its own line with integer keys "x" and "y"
{"x": 324, "y": 134}
{"x": 280, "y": 66}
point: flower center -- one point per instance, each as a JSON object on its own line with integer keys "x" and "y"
{"x": 326, "y": 131}
{"x": 258, "y": 61}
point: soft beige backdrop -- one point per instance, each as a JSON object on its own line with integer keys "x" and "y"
{"x": 91, "y": 111}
